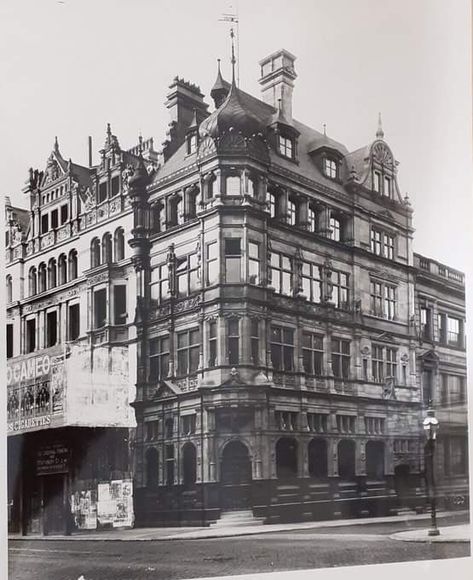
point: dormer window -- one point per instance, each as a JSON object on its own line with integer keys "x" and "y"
{"x": 377, "y": 181}
{"x": 387, "y": 186}
{"x": 330, "y": 168}
{"x": 192, "y": 143}
{"x": 286, "y": 147}
{"x": 102, "y": 191}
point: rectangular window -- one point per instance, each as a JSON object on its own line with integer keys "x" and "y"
{"x": 64, "y": 214}
{"x": 212, "y": 263}
{"x": 286, "y": 420}
{"x": 376, "y": 239}
{"x": 377, "y": 364}
{"x": 317, "y": 422}
{"x": 152, "y": 430}
{"x": 286, "y": 147}
{"x": 340, "y": 290}
{"x": 281, "y": 273}
{"x": 346, "y": 424}
{"x": 377, "y": 181}
{"x": 341, "y": 358}
{"x": 160, "y": 283}
{"x": 376, "y": 296}
{"x": 425, "y": 323}
{"x": 212, "y": 344}
{"x": 119, "y": 304}
{"x": 233, "y": 185}
{"x": 54, "y": 219}
{"x": 102, "y": 191}
{"x": 9, "y": 340}
{"x": 311, "y": 282}
{"x": 291, "y": 212}
{"x": 388, "y": 246}
{"x": 387, "y": 186}
{"x": 169, "y": 428}
{"x": 51, "y": 328}
{"x": 187, "y": 275}
{"x": 453, "y": 331}
{"x": 273, "y": 204}
{"x": 233, "y": 260}
{"x": 100, "y": 308}
{"x": 233, "y": 341}
{"x": 312, "y": 216}
{"x": 254, "y": 263}
{"x": 159, "y": 358}
{"x": 427, "y": 387}
{"x": 391, "y": 363}
{"x": 188, "y": 347}
{"x": 74, "y": 322}
{"x": 335, "y": 229}
{"x": 330, "y": 168}
{"x": 44, "y": 223}
{"x": 442, "y": 327}
{"x": 30, "y": 335}
{"x": 115, "y": 185}
{"x": 456, "y": 389}
{"x": 458, "y": 455}
{"x": 188, "y": 425}
{"x": 282, "y": 348}
{"x": 254, "y": 338}
{"x": 313, "y": 353}
{"x": 389, "y": 310}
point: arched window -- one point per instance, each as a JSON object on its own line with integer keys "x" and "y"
{"x": 52, "y": 273}
{"x": 9, "y": 289}
{"x": 250, "y": 186}
{"x": 318, "y": 458}
{"x": 375, "y": 460}
{"x": 189, "y": 464}
{"x": 192, "y": 194}
{"x": 95, "y": 253}
{"x": 286, "y": 457}
{"x": 152, "y": 468}
{"x": 119, "y": 244}
{"x": 233, "y": 185}
{"x": 62, "y": 269}
{"x": 42, "y": 277}
{"x": 156, "y": 211}
{"x": 73, "y": 267}
{"x": 107, "y": 248}
{"x": 32, "y": 280}
{"x": 346, "y": 459}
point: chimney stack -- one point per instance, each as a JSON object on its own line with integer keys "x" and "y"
{"x": 277, "y": 81}
{"x": 90, "y": 151}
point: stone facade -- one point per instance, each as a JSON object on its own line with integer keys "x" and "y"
{"x": 273, "y": 327}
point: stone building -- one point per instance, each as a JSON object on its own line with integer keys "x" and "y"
{"x": 70, "y": 294}
{"x": 268, "y": 304}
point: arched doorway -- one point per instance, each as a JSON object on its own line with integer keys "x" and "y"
{"x": 318, "y": 458}
{"x": 235, "y": 476}
{"x": 375, "y": 460}
{"x": 286, "y": 458}
{"x": 346, "y": 459}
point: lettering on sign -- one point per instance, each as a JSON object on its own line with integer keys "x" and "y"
{"x": 52, "y": 459}
{"x": 33, "y": 368}
{"x": 30, "y": 423}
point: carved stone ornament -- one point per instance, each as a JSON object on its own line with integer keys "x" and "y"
{"x": 366, "y": 351}
{"x": 383, "y": 155}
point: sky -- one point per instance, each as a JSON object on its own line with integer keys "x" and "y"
{"x": 71, "y": 66}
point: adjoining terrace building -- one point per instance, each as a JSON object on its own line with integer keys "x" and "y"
{"x": 273, "y": 320}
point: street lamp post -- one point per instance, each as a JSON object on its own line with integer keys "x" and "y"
{"x": 431, "y": 426}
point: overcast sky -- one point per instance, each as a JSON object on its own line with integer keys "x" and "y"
{"x": 71, "y": 66}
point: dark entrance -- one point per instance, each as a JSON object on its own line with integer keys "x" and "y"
{"x": 402, "y": 483}
{"x": 54, "y": 506}
{"x": 235, "y": 477}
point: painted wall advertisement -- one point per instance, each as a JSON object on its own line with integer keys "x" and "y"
{"x": 111, "y": 504}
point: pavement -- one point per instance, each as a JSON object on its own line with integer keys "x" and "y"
{"x": 460, "y": 533}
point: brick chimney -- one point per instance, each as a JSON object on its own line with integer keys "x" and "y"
{"x": 277, "y": 80}
{"x": 183, "y": 99}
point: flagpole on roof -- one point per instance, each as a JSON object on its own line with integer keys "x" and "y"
{"x": 233, "y": 18}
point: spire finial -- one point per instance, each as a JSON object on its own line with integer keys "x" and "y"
{"x": 325, "y": 129}
{"x": 109, "y": 133}
{"x": 218, "y": 65}
{"x": 56, "y": 144}
{"x": 140, "y": 142}
{"x": 380, "y": 132}
{"x": 233, "y": 61}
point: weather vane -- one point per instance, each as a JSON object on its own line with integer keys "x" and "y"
{"x": 233, "y": 18}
